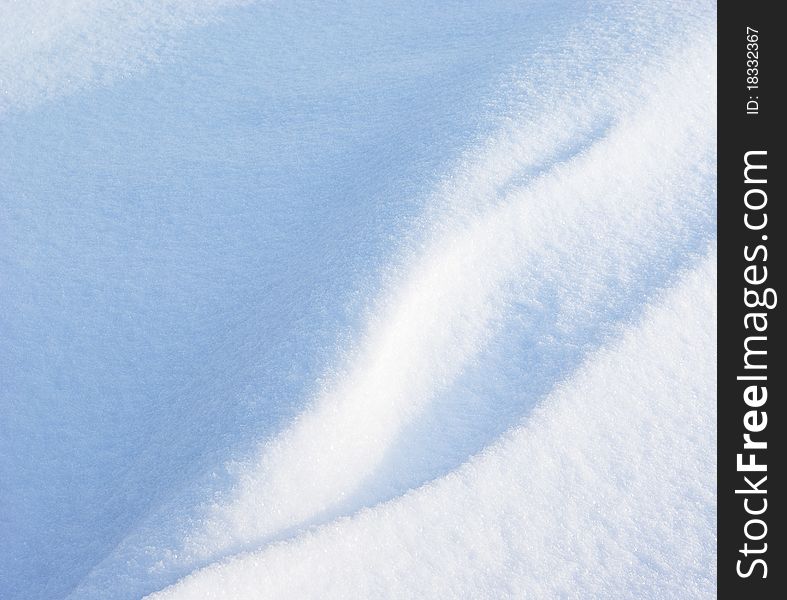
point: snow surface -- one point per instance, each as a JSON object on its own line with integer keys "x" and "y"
{"x": 371, "y": 299}
{"x": 603, "y": 493}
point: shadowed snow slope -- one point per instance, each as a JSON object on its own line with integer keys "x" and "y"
{"x": 52, "y": 47}
{"x": 284, "y": 284}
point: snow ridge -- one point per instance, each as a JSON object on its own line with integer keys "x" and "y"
{"x": 584, "y": 500}
{"x": 501, "y": 423}
{"x": 604, "y": 211}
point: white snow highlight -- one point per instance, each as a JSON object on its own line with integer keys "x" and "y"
{"x": 608, "y": 491}
{"x": 502, "y": 418}
{"x": 600, "y": 212}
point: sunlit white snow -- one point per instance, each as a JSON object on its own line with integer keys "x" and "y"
{"x": 357, "y": 299}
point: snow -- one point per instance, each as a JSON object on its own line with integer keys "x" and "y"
{"x": 48, "y": 48}
{"x": 604, "y": 493}
{"x": 357, "y": 299}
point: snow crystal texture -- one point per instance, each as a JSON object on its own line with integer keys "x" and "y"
{"x": 357, "y": 299}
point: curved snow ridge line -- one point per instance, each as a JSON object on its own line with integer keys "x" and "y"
{"x": 536, "y": 136}
{"x": 616, "y": 205}
{"x": 565, "y": 93}
{"x": 607, "y": 491}
{"x": 52, "y": 47}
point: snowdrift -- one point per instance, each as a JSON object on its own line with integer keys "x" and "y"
{"x": 357, "y": 300}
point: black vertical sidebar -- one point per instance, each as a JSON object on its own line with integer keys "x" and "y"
{"x": 751, "y": 231}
